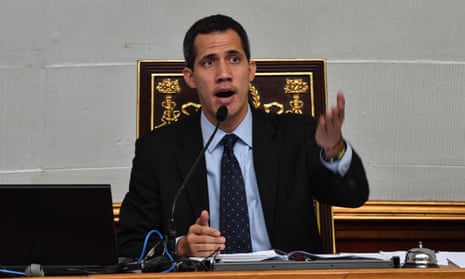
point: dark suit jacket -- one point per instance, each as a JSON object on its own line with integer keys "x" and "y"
{"x": 288, "y": 170}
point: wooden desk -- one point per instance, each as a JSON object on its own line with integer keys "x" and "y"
{"x": 397, "y": 273}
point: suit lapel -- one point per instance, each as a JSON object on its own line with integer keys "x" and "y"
{"x": 196, "y": 188}
{"x": 266, "y": 149}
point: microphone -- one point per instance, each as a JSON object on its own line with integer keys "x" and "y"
{"x": 221, "y": 115}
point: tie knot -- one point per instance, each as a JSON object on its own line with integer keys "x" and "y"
{"x": 229, "y": 141}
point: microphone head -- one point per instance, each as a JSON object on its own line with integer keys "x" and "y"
{"x": 221, "y": 113}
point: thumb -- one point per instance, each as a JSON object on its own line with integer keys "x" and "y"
{"x": 203, "y": 218}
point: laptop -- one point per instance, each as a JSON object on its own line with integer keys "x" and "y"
{"x": 65, "y": 229}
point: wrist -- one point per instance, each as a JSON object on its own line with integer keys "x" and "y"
{"x": 179, "y": 245}
{"x": 335, "y": 152}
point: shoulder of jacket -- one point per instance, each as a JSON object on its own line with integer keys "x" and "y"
{"x": 284, "y": 118}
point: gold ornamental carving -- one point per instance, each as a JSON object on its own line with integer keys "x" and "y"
{"x": 168, "y": 88}
{"x": 254, "y": 96}
{"x": 275, "y": 107}
{"x": 190, "y": 106}
{"x": 296, "y": 87}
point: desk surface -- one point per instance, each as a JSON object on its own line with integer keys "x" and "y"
{"x": 398, "y": 273}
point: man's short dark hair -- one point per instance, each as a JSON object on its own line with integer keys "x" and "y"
{"x": 208, "y": 25}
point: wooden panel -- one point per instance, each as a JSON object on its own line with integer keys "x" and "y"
{"x": 269, "y": 84}
{"x": 396, "y": 225}
{"x": 400, "y": 225}
{"x": 403, "y": 210}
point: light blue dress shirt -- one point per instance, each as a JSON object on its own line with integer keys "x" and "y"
{"x": 244, "y": 154}
{"x": 243, "y": 150}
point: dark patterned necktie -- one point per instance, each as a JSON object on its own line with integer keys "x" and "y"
{"x": 234, "y": 217}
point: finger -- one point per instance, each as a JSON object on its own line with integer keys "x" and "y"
{"x": 197, "y": 230}
{"x": 193, "y": 245}
{"x": 207, "y": 242}
{"x": 205, "y": 251}
{"x": 337, "y": 118}
{"x": 331, "y": 118}
{"x": 340, "y": 97}
{"x": 322, "y": 124}
{"x": 205, "y": 238}
{"x": 327, "y": 122}
{"x": 203, "y": 218}
{"x": 337, "y": 111}
{"x": 204, "y": 243}
{"x": 341, "y": 103}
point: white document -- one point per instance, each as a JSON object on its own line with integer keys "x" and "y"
{"x": 254, "y": 256}
{"x": 456, "y": 258}
{"x": 245, "y": 257}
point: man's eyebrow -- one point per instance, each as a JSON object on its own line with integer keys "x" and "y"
{"x": 229, "y": 52}
{"x": 213, "y": 55}
{"x": 233, "y": 51}
{"x": 208, "y": 56}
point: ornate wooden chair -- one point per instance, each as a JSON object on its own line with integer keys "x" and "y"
{"x": 280, "y": 86}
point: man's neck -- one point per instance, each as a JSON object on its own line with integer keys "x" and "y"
{"x": 231, "y": 123}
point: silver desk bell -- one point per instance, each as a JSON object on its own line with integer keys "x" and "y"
{"x": 420, "y": 257}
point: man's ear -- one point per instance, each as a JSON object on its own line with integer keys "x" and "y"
{"x": 189, "y": 77}
{"x": 252, "y": 70}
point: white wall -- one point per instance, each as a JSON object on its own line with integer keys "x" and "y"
{"x": 68, "y": 82}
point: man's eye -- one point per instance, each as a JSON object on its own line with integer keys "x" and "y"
{"x": 234, "y": 59}
{"x": 207, "y": 63}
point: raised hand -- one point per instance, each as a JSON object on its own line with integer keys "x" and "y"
{"x": 329, "y": 130}
{"x": 201, "y": 239}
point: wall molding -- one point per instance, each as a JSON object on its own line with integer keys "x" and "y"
{"x": 388, "y": 210}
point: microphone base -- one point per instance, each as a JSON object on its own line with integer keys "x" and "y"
{"x": 156, "y": 264}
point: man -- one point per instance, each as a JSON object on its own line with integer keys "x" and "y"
{"x": 285, "y": 160}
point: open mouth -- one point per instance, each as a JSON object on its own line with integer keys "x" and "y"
{"x": 224, "y": 94}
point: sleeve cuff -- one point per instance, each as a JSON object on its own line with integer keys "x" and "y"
{"x": 340, "y": 166}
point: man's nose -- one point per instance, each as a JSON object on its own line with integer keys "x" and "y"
{"x": 223, "y": 72}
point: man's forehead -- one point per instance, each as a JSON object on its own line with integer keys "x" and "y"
{"x": 218, "y": 42}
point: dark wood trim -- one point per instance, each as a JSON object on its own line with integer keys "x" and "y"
{"x": 270, "y": 73}
{"x": 400, "y": 225}
{"x": 395, "y": 225}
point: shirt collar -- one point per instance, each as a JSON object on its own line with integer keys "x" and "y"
{"x": 243, "y": 131}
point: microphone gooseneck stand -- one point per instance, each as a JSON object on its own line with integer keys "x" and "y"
{"x": 221, "y": 115}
